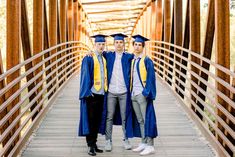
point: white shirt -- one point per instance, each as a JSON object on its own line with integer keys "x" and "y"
{"x": 137, "y": 85}
{"x": 117, "y": 84}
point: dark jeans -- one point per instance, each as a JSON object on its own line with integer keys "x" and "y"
{"x": 94, "y": 110}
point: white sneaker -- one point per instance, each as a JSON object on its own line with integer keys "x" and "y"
{"x": 126, "y": 144}
{"x": 108, "y": 146}
{"x": 140, "y": 147}
{"x": 148, "y": 150}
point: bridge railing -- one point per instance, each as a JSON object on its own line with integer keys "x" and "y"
{"x": 210, "y": 107}
{"x": 208, "y": 98}
{"x": 35, "y": 88}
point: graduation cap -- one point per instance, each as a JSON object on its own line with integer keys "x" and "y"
{"x": 99, "y": 37}
{"x": 139, "y": 38}
{"x": 118, "y": 36}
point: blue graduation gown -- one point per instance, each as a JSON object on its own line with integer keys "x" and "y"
{"x": 149, "y": 92}
{"x": 86, "y": 83}
{"x": 126, "y": 67}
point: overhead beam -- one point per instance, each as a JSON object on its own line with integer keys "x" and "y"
{"x": 107, "y": 18}
{"x": 112, "y": 11}
{"x": 126, "y": 32}
{"x": 114, "y": 25}
{"x": 116, "y": 15}
{"x": 117, "y": 19}
{"x": 111, "y": 28}
{"x": 110, "y": 6}
{"x": 104, "y": 2}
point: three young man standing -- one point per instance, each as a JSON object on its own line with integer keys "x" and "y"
{"x": 127, "y": 92}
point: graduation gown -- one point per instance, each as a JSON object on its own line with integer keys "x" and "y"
{"x": 86, "y": 83}
{"x": 126, "y": 67}
{"x": 149, "y": 92}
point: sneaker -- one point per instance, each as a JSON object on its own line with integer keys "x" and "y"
{"x": 108, "y": 146}
{"x": 140, "y": 147}
{"x": 126, "y": 144}
{"x": 148, "y": 150}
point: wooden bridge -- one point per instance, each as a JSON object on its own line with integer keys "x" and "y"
{"x": 39, "y": 83}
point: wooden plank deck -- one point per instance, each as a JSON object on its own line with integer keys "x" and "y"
{"x": 57, "y": 134}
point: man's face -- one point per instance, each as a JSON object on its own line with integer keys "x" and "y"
{"x": 138, "y": 47}
{"x": 119, "y": 45}
{"x": 100, "y": 46}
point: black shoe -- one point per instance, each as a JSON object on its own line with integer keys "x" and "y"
{"x": 97, "y": 150}
{"x": 91, "y": 151}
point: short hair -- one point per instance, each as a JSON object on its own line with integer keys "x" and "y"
{"x": 121, "y": 40}
{"x": 143, "y": 44}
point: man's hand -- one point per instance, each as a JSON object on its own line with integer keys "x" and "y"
{"x": 90, "y": 53}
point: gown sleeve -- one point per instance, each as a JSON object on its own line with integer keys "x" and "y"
{"x": 85, "y": 80}
{"x": 150, "y": 87}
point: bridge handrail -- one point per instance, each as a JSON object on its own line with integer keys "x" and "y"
{"x": 221, "y": 81}
{"x": 197, "y": 86}
{"x": 67, "y": 63}
{"x": 17, "y": 67}
{"x": 18, "y": 92}
{"x": 227, "y": 71}
{"x": 171, "y": 71}
{"x": 203, "y": 103}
